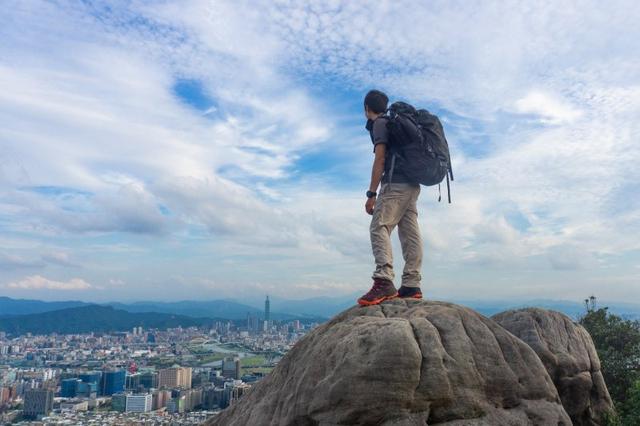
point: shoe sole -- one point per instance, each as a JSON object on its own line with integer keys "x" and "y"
{"x": 415, "y": 296}
{"x": 376, "y": 301}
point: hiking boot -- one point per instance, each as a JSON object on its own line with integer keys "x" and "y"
{"x": 409, "y": 292}
{"x": 382, "y": 290}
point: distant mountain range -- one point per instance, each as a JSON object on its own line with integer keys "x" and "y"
{"x": 10, "y": 306}
{"x": 96, "y": 318}
{"x": 329, "y": 306}
{"x": 227, "y": 309}
{"x": 572, "y": 309}
{"x": 19, "y": 316}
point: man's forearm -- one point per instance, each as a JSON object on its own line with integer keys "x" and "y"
{"x": 376, "y": 175}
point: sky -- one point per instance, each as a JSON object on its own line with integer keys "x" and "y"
{"x": 172, "y": 150}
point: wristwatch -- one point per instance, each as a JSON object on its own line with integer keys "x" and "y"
{"x": 371, "y": 194}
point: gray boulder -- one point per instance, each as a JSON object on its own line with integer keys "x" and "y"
{"x": 405, "y": 362}
{"x": 568, "y": 354}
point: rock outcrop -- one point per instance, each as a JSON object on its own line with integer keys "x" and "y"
{"x": 568, "y": 354}
{"x": 405, "y": 362}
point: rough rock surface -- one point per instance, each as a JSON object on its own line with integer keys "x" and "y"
{"x": 405, "y": 362}
{"x": 568, "y": 354}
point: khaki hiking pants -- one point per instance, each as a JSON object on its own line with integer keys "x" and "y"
{"x": 396, "y": 205}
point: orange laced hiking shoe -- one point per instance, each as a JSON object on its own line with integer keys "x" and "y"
{"x": 382, "y": 290}
{"x": 409, "y": 292}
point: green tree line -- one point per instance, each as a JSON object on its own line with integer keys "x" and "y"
{"x": 617, "y": 341}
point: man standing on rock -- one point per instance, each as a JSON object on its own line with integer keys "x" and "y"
{"x": 394, "y": 206}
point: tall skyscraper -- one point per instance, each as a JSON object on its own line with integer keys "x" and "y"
{"x": 149, "y": 379}
{"x": 132, "y": 382}
{"x": 68, "y": 387}
{"x": 112, "y": 382}
{"x": 248, "y": 321}
{"x": 91, "y": 377}
{"x": 267, "y": 310}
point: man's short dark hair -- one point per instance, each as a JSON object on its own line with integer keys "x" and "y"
{"x": 376, "y": 101}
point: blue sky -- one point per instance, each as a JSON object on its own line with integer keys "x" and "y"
{"x": 198, "y": 149}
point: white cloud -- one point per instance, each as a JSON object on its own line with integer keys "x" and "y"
{"x": 58, "y": 258}
{"x": 552, "y": 110}
{"x": 38, "y": 282}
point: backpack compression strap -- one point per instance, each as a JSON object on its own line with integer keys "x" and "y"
{"x": 448, "y": 191}
{"x": 393, "y": 165}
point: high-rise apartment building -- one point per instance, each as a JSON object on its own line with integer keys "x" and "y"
{"x": 132, "y": 403}
{"x": 139, "y": 403}
{"x": 160, "y": 399}
{"x": 175, "y": 376}
{"x": 252, "y": 322}
{"x": 176, "y": 405}
{"x": 38, "y": 402}
{"x": 231, "y": 368}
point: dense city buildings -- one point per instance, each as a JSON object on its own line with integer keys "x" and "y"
{"x": 177, "y": 376}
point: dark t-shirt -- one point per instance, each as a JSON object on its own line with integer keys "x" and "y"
{"x": 380, "y": 134}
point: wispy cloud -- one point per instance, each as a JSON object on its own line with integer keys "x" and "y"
{"x": 551, "y": 110}
{"x": 59, "y": 258}
{"x": 38, "y": 282}
{"x": 12, "y": 261}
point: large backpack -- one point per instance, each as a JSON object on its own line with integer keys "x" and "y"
{"x": 417, "y": 138}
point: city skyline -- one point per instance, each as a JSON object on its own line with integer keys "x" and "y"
{"x": 192, "y": 150}
{"x": 177, "y": 375}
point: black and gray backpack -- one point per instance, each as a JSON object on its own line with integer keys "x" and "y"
{"x": 417, "y": 138}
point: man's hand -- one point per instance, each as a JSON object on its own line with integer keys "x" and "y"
{"x": 369, "y": 205}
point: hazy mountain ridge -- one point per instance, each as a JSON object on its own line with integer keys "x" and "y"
{"x": 330, "y": 306}
{"x": 223, "y": 309}
{"x": 9, "y": 306}
{"x": 93, "y": 318}
{"x": 228, "y": 309}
